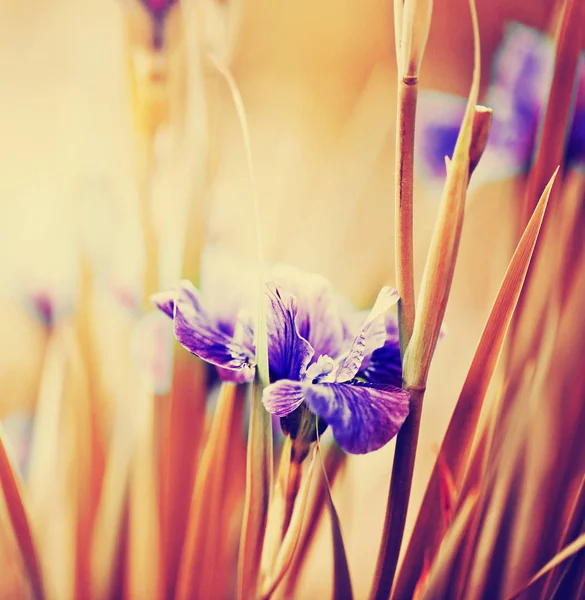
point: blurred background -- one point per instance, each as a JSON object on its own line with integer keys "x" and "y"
{"x": 317, "y": 81}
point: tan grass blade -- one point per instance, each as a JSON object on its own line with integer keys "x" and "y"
{"x": 259, "y": 465}
{"x": 46, "y": 484}
{"x": 571, "y": 530}
{"x": 18, "y": 512}
{"x": 334, "y": 459}
{"x": 202, "y": 540}
{"x": 14, "y": 580}
{"x": 114, "y": 495}
{"x": 566, "y": 553}
{"x": 281, "y": 505}
{"x": 258, "y": 495}
{"x": 412, "y": 22}
{"x": 182, "y": 432}
{"x": 482, "y": 121}
{"x": 457, "y": 443}
{"x": 342, "y": 588}
{"x": 291, "y": 539}
{"x": 143, "y": 564}
{"x": 554, "y": 125}
{"x": 438, "y": 577}
{"x": 260, "y": 454}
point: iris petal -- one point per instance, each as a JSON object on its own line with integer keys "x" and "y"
{"x": 363, "y": 417}
{"x": 384, "y": 366}
{"x": 318, "y": 314}
{"x": 283, "y": 397}
{"x": 371, "y": 336}
{"x": 197, "y": 331}
{"x": 288, "y": 352}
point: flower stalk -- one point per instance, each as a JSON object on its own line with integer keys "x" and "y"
{"x": 404, "y": 174}
{"x": 412, "y": 21}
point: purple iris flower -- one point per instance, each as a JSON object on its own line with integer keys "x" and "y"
{"x": 521, "y": 78}
{"x": 347, "y": 376}
{"x": 364, "y": 416}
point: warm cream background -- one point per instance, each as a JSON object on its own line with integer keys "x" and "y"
{"x": 317, "y": 79}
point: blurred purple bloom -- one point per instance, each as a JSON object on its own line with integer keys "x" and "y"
{"x": 158, "y": 7}
{"x": 521, "y": 78}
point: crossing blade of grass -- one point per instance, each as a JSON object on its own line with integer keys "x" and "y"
{"x": 291, "y": 539}
{"x": 15, "y": 503}
{"x": 554, "y": 125}
{"x": 334, "y": 459}
{"x": 566, "y": 553}
{"x": 573, "y": 525}
{"x": 342, "y": 588}
{"x": 438, "y": 577}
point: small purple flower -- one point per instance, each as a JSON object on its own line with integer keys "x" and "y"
{"x": 363, "y": 416}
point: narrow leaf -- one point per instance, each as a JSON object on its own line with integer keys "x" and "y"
{"x": 555, "y": 121}
{"x": 342, "y": 589}
{"x": 15, "y": 504}
{"x": 260, "y": 453}
{"x": 334, "y": 459}
{"x": 258, "y": 495}
{"x": 202, "y": 541}
{"x": 571, "y": 530}
{"x": 440, "y": 571}
{"x": 291, "y": 539}
{"x": 566, "y": 553}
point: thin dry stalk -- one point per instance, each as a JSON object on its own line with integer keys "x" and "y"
{"x": 436, "y": 284}
{"x": 15, "y": 503}
{"x": 202, "y": 540}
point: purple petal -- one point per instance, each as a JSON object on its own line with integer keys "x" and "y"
{"x": 165, "y": 301}
{"x": 288, "y": 353}
{"x": 371, "y": 337}
{"x": 363, "y": 417}
{"x": 199, "y": 333}
{"x": 318, "y": 315}
{"x": 284, "y": 396}
{"x": 384, "y": 365}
